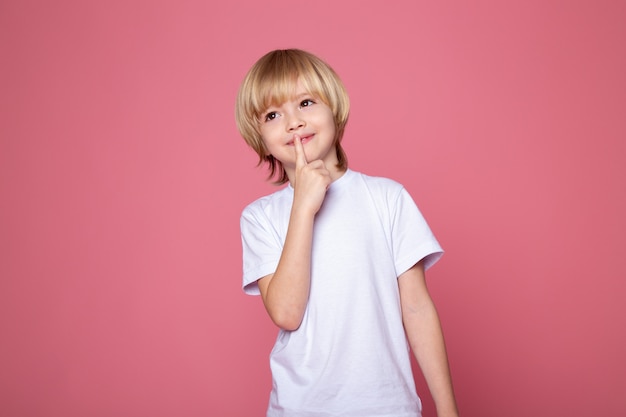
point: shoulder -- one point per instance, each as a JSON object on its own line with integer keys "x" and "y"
{"x": 263, "y": 206}
{"x": 380, "y": 185}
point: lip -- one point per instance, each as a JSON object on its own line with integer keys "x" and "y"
{"x": 303, "y": 138}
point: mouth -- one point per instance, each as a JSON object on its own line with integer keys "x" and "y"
{"x": 303, "y": 139}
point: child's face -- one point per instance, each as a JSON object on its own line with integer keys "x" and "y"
{"x": 303, "y": 115}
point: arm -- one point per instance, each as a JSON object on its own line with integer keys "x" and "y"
{"x": 425, "y": 336}
{"x": 285, "y": 293}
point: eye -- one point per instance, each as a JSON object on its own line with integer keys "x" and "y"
{"x": 271, "y": 116}
{"x": 307, "y": 103}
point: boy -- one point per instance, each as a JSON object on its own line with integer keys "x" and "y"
{"x": 338, "y": 257}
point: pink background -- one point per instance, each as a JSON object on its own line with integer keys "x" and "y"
{"x": 122, "y": 177}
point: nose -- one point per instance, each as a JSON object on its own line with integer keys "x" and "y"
{"x": 294, "y": 122}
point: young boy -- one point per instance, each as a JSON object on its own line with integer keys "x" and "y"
{"x": 338, "y": 257}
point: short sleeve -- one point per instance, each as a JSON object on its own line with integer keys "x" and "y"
{"x": 412, "y": 238}
{"x": 261, "y": 248}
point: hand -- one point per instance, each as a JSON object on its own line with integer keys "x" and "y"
{"x": 312, "y": 179}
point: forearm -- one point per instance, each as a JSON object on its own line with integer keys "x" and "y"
{"x": 423, "y": 330}
{"x": 426, "y": 339}
{"x": 287, "y": 292}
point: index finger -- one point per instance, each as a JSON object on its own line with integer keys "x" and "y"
{"x": 300, "y": 156}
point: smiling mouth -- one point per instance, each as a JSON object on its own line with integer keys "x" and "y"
{"x": 303, "y": 139}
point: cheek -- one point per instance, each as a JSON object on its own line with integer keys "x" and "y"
{"x": 269, "y": 147}
{"x": 265, "y": 135}
{"x": 269, "y": 131}
{"x": 331, "y": 126}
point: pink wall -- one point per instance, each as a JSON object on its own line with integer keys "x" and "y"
{"x": 122, "y": 178}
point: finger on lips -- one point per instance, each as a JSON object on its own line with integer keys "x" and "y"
{"x": 300, "y": 156}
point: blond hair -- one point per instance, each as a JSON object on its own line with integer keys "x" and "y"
{"x": 272, "y": 81}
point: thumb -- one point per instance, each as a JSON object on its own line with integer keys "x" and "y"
{"x": 300, "y": 156}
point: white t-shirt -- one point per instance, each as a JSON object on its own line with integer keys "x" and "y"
{"x": 350, "y": 356}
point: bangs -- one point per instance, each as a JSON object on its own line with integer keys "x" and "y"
{"x": 274, "y": 90}
{"x": 278, "y": 81}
